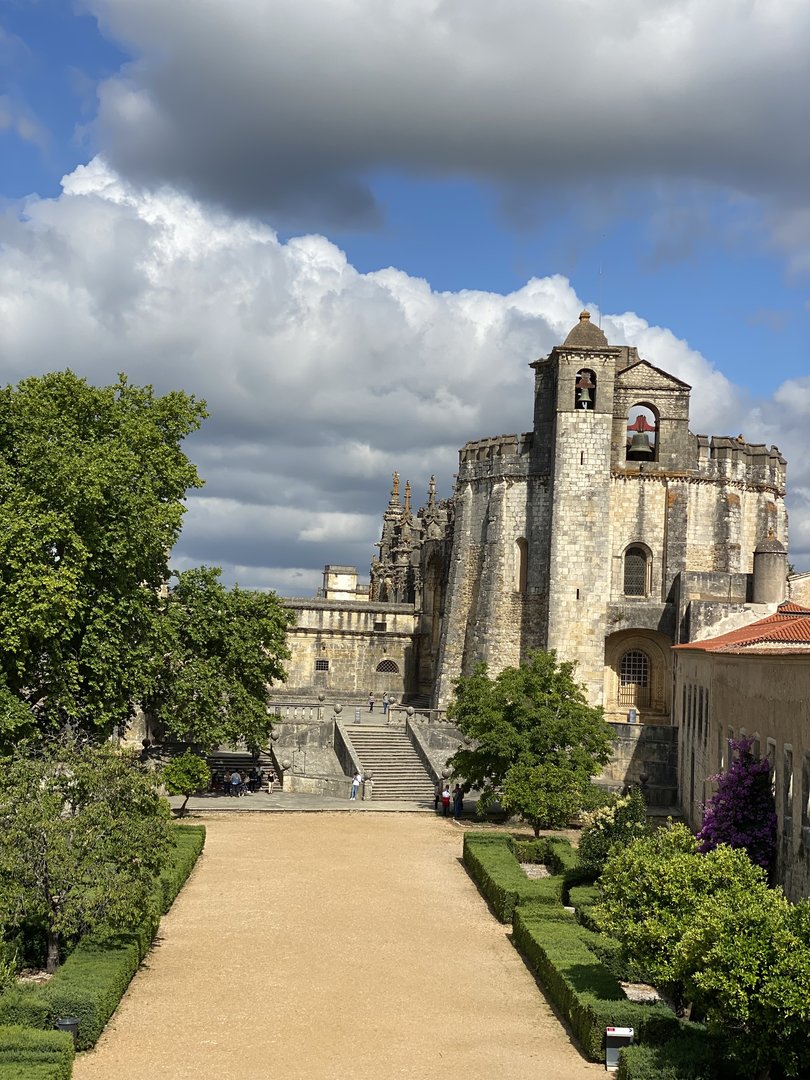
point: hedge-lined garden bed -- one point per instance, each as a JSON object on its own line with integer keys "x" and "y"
{"x": 581, "y": 987}
{"x": 26, "y": 1054}
{"x": 93, "y": 979}
{"x": 493, "y": 861}
{"x": 573, "y": 963}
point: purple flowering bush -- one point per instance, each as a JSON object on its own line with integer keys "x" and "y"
{"x": 742, "y": 812}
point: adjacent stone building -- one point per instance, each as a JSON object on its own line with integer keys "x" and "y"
{"x": 753, "y": 681}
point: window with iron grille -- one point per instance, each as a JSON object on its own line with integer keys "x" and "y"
{"x": 321, "y": 665}
{"x": 635, "y": 572}
{"x": 389, "y": 666}
{"x": 634, "y": 679}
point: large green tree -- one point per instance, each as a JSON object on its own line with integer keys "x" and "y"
{"x": 83, "y": 834}
{"x": 532, "y": 739}
{"x": 92, "y": 481}
{"x": 708, "y": 927}
{"x": 221, "y": 650}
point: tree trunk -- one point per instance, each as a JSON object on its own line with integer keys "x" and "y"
{"x": 536, "y": 831}
{"x": 182, "y": 809}
{"x": 52, "y": 962}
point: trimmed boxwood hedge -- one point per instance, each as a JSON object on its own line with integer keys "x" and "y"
{"x": 581, "y": 987}
{"x": 26, "y": 1054}
{"x": 93, "y": 979}
{"x": 693, "y": 1056}
{"x": 492, "y": 860}
{"x": 573, "y": 963}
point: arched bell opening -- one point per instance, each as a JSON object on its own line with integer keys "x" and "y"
{"x": 642, "y": 433}
{"x": 585, "y": 392}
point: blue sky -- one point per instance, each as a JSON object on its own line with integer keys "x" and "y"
{"x": 647, "y": 160}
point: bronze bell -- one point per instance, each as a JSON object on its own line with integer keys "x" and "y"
{"x": 583, "y": 398}
{"x": 640, "y": 445}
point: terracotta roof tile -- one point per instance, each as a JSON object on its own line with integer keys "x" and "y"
{"x": 789, "y": 626}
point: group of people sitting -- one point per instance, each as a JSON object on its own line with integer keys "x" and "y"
{"x": 237, "y": 783}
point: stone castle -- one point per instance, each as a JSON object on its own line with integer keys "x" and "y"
{"x": 608, "y": 533}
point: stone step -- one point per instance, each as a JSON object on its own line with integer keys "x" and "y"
{"x": 397, "y": 770}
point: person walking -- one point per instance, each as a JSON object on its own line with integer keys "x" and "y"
{"x": 437, "y": 796}
{"x": 458, "y": 801}
{"x": 371, "y": 701}
{"x": 386, "y": 700}
{"x": 356, "y": 781}
{"x": 236, "y": 783}
{"x": 445, "y": 800}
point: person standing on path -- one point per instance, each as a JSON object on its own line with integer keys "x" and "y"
{"x": 458, "y": 801}
{"x": 236, "y": 783}
{"x": 437, "y": 796}
{"x": 356, "y": 780}
{"x": 371, "y": 700}
{"x": 445, "y": 800}
{"x": 385, "y": 703}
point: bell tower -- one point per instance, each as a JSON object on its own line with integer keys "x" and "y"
{"x": 574, "y": 406}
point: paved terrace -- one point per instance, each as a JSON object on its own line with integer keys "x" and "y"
{"x": 317, "y": 947}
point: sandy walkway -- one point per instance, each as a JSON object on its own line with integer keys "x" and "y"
{"x": 331, "y": 946}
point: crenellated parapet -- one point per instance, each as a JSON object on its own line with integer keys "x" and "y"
{"x": 733, "y": 459}
{"x": 495, "y": 456}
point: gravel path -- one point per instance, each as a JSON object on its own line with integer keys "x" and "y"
{"x": 324, "y": 946}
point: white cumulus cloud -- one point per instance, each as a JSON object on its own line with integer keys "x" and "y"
{"x": 320, "y": 380}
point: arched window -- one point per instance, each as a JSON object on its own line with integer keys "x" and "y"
{"x": 521, "y": 564}
{"x": 636, "y": 571}
{"x": 389, "y": 666}
{"x": 634, "y": 679}
{"x": 642, "y": 433}
{"x": 585, "y": 392}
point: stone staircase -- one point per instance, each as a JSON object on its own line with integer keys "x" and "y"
{"x": 396, "y": 768}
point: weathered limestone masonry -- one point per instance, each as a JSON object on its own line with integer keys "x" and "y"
{"x": 605, "y": 530}
{"x": 608, "y": 533}
{"x": 344, "y": 649}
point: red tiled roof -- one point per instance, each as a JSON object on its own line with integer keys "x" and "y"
{"x": 789, "y": 626}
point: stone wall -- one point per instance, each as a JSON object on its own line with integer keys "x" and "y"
{"x": 352, "y": 639}
{"x": 646, "y": 755}
{"x": 720, "y": 696}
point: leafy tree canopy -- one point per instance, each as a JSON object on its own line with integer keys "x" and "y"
{"x": 709, "y": 928}
{"x": 83, "y": 833}
{"x": 92, "y": 481}
{"x": 533, "y": 738}
{"x": 186, "y": 775}
{"x": 221, "y": 650}
{"x": 652, "y": 889}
